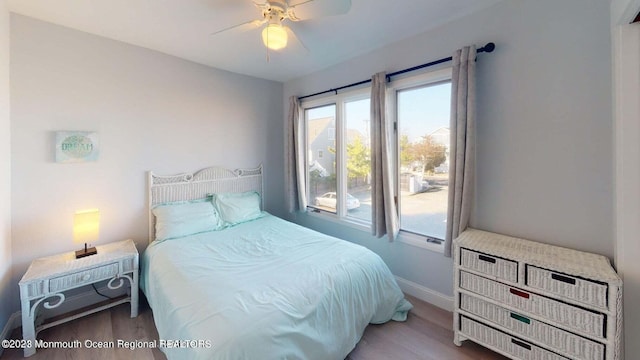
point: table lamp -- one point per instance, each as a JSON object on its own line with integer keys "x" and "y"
{"x": 86, "y": 226}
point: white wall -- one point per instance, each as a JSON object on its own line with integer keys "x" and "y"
{"x": 151, "y": 111}
{"x": 544, "y": 149}
{"x": 6, "y": 290}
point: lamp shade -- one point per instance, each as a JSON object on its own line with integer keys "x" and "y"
{"x": 274, "y": 36}
{"x": 86, "y": 226}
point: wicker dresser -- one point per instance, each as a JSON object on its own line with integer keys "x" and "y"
{"x": 533, "y": 301}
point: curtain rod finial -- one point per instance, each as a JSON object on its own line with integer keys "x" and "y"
{"x": 489, "y": 47}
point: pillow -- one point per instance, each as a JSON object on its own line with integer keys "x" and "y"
{"x": 236, "y": 208}
{"x": 180, "y": 219}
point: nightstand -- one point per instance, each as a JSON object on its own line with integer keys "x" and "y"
{"x": 48, "y": 278}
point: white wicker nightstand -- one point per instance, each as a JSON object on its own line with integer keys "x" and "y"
{"x": 48, "y": 278}
{"x": 533, "y": 301}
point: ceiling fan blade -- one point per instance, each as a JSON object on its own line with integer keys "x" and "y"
{"x": 317, "y": 8}
{"x": 222, "y": 5}
{"x": 292, "y": 35}
{"x": 252, "y": 24}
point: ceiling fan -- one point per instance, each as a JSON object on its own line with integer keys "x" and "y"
{"x": 275, "y": 35}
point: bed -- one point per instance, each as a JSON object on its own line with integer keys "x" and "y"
{"x": 263, "y": 288}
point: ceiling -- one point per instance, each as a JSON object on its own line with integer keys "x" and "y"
{"x": 182, "y": 28}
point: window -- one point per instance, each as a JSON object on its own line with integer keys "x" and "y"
{"x": 339, "y": 178}
{"x": 423, "y": 161}
{"x": 358, "y": 159}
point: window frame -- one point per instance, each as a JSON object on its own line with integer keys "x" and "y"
{"x": 431, "y": 78}
{"x": 341, "y": 215}
{"x": 315, "y": 105}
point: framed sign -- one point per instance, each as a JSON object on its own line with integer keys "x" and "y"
{"x": 76, "y": 146}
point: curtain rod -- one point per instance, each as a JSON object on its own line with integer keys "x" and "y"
{"x": 487, "y": 48}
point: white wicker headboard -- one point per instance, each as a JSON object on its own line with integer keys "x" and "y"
{"x": 197, "y": 185}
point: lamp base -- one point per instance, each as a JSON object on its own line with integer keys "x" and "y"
{"x": 86, "y": 252}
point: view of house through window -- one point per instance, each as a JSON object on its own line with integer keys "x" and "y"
{"x": 321, "y": 157}
{"x": 423, "y": 139}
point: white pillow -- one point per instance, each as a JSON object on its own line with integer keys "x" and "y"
{"x": 236, "y": 208}
{"x": 175, "y": 220}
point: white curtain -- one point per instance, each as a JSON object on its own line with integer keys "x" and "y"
{"x": 384, "y": 216}
{"x": 462, "y": 152}
{"x": 294, "y": 159}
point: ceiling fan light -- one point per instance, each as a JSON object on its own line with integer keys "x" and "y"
{"x": 274, "y": 36}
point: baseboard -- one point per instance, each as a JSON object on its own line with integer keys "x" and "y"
{"x": 12, "y": 323}
{"x": 425, "y": 294}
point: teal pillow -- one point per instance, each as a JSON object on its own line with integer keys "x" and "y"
{"x": 174, "y": 220}
{"x": 236, "y": 208}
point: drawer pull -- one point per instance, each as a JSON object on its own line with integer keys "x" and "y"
{"x": 564, "y": 279}
{"x": 521, "y": 344}
{"x": 519, "y": 293}
{"x": 520, "y": 318}
{"x": 487, "y": 259}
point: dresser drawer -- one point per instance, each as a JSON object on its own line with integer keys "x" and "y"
{"x": 83, "y": 277}
{"x": 129, "y": 264}
{"x": 569, "y": 316}
{"x": 556, "y": 339}
{"x": 35, "y": 288}
{"x": 570, "y": 287}
{"x": 503, "y": 342}
{"x": 493, "y": 266}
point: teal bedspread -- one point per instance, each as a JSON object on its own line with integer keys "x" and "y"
{"x": 266, "y": 289}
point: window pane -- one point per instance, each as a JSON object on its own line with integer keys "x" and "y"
{"x": 358, "y": 156}
{"x": 321, "y": 157}
{"x": 423, "y": 119}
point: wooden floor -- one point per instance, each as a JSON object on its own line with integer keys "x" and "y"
{"x": 425, "y": 335}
